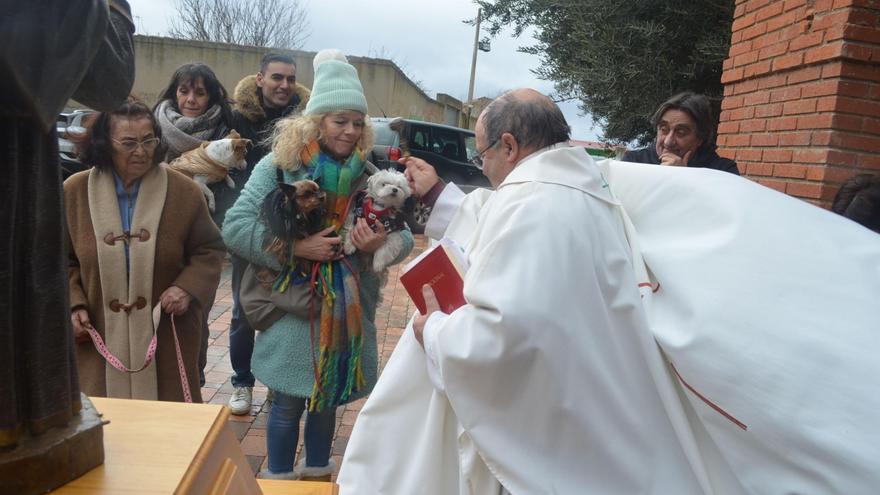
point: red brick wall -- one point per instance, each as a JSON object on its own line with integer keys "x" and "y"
{"x": 801, "y": 108}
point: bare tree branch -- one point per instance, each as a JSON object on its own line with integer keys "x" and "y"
{"x": 271, "y": 23}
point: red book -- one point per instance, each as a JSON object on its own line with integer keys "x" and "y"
{"x": 442, "y": 267}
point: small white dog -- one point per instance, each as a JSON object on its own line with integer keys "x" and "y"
{"x": 211, "y": 162}
{"x": 383, "y": 202}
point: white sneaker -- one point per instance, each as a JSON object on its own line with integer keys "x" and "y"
{"x": 240, "y": 402}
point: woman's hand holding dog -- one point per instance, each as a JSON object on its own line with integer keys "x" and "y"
{"x": 363, "y": 237}
{"x": 319, "y": 247}
{"x": 175, "y": 300}
{"x": 80, "y": 320}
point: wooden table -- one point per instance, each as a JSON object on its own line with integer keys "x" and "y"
{"x": 156, "y": 447}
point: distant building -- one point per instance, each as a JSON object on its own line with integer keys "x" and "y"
{"x": 598, "y": 149}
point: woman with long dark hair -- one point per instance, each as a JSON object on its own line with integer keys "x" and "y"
{"x": 192, "y": 109}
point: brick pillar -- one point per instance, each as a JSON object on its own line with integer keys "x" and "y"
{"x": 801, "y": 108}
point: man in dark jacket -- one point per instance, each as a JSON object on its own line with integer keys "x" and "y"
{"x": 260, "y": 101}
{"x": 685, "y": 136}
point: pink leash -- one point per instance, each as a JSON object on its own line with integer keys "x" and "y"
{"x": 151, "y": 353}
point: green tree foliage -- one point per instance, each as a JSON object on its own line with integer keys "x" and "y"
{"x": 622, "y": 58}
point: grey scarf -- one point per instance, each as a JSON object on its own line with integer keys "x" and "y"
{"x": 182, "y": 134}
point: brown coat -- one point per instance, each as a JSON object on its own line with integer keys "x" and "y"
{"x": 188, "y": 254}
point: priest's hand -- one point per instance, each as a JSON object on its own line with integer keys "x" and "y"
{"x": 80, "y": 319}
{"x": 431, "y": 305}
{"x": 175, "y": 300}
{"x": 420, "y": 174}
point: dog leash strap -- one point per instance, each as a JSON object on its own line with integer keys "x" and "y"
{"x": 102, "y": 349}
{"x": 353, "y": 200}
{"x": 313, "y": 280}
{"x": 184, "y": 383}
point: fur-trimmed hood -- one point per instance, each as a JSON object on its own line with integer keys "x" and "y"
{"x": 249, "y": 100}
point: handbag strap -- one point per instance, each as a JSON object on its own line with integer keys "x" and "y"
{"x": 114, "y": 361}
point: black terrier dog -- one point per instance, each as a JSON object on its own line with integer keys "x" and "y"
{"x": 291, "y": 212}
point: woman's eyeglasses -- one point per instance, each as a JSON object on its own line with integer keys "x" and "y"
{"x": 130, "y": 145}
{"x": 477, "y": 160}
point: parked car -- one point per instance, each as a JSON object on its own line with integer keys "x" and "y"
{"x": 449, "y": 149}
{"x": 67, "y": 154}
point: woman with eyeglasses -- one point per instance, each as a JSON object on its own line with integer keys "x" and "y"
{"x": 143, "y": 259}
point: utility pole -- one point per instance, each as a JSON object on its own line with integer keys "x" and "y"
{"x": 470, "y": 97}
{"x": 474, "y": 58}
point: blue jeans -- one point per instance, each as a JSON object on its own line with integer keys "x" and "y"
{"x": 282, "y": 433}
{"x": 241, "y": 335}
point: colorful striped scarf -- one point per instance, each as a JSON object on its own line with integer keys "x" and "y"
{"x": 339, "y": 340}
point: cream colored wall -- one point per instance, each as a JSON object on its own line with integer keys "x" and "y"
{"x": 388, "y": 90}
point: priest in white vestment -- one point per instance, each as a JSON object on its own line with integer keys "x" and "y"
{"x": 550, "y": 379}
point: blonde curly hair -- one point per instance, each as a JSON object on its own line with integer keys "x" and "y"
{"x": 291, "y": 134}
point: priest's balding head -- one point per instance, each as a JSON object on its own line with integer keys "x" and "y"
{"x": 512, "y": 127}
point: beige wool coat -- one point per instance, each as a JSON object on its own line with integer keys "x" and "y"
{"x": 186, "y": 251}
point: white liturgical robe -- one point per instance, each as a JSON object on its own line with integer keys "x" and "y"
{"x": 739, "y": 357}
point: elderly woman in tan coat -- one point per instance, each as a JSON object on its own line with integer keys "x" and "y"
{"x": 142, "y": 249}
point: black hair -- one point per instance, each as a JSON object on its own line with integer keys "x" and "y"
{"x": 859, "y": 200}
{"x": 695, "y": 105}
{"x": 275, "y": 57}
{"x": 534, "y": 122}
{"x": 190, "y": 73}
{"x": 99, "y": 148}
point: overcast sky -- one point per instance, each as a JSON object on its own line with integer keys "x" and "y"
{"x": 425, "y": 37}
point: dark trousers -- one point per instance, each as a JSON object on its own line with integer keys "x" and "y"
{"x": 241, "y": 335}
{"x": 206, "y": 334}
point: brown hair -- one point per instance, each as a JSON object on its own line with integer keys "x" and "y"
{"x": 190, "y": 73}
{"x": 99, "y": 150}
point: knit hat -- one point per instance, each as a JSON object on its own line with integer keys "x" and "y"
{"x": 328, "y": 54}
{"x": 336, "y": 87}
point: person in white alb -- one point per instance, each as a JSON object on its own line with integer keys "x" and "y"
{"x": 623, "y": 335}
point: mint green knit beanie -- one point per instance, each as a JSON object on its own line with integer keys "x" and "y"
{"x": 336, "y": 87}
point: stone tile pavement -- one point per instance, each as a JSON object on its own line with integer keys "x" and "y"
{"x": 391, "y": 318}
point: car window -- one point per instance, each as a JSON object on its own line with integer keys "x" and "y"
{"x": 383, "y": 135}
{"x": 446, "y": 143}
{"x": 470, "y": 146}
{"x": 420, "y": 139}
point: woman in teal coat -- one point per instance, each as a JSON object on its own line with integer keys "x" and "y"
{"x": 329, "y": 359}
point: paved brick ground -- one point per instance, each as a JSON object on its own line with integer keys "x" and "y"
{"x": 391, "y": 318}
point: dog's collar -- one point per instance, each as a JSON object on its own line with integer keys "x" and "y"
{"x": 373, "y": 214}
{"x": 388, "y": 217}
